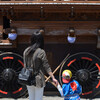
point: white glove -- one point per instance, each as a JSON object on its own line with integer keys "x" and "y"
{"x": 60, "y": 89}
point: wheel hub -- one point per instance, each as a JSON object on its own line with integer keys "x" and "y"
{"x": 83, "y": 75}
{"x": 8, "y": 74}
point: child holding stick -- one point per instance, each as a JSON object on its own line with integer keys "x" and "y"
{"x": 71, "y": 88}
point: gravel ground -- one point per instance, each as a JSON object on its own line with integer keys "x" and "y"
{"x": 47, "y": 98}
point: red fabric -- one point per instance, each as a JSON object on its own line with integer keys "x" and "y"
{"x": 73, "y": 86}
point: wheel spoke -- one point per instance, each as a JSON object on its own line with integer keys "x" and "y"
{"x": 10, "y": 63}
{"x": 76, "y": 65}
{"x": 72, "y": 66}
{"x": 2, "y": 64}
{"x": 73, "y": 71}
{"x": 90, "y": 65}
{"x": 85, "y": 87}
{"x": 94, "y": 71}
{"x": 79, "y": 64}
{"x": 13, "y": 64}
{"x": 18, "y": 69}
{"x": 6, "y": 63}
{"x": 86, "y": 65}
{"x": 3, "y": 85}
{"x": 83, "y": 63}
{"x": 1, "y": 68}
{"x": 95, "y": 75}
{"x": 93, "y": 68}
{"x": 94, "y": 79}
{"x": 13, "y": 84}
{"x": 17, "y": 66}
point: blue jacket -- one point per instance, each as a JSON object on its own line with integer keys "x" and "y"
{"x": 72, "y": 90}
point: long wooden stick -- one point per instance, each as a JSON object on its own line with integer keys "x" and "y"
{"x": 59, "y": 76}
{"x": 50, "y": 81}
{"x": 57, "y": 86}
{"x": 57, "y": 67}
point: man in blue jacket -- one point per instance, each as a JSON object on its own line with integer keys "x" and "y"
{"x": 71, "y": 88}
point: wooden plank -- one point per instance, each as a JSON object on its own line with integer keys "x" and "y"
{"x": 1, "y": 27}
{"x": 54, "y": 8}
{"x": 34, "y": 24}
{"x": 57, "y": 27}
{"x": 49, "y": 1}
{"x": 8, "y": 44}
{"x": 91, "y": 39}
{"x": 18, "y": 3}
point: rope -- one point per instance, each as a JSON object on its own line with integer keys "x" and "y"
{"x": 61, "y": 69}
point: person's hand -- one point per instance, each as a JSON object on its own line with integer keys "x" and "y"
{"x": 55, "y": 81}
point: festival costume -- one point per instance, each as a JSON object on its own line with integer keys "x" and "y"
{"x": 71, "y": 88}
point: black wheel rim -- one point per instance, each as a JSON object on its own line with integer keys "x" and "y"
{"x": 10, "y": 66}
{"x": 85, "y": 68}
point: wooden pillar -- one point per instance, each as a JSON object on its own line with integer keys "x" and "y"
{"x": 98, "y": 38}
{"x": 1, "y": 27}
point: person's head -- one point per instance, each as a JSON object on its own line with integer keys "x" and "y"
{"x": 37, "y": 38}
{"x": 66, "y": 76}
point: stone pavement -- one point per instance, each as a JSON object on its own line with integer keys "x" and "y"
{"x": 47, "y": 98}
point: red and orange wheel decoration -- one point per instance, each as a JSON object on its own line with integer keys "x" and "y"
{"x": 85, "y": 68}
{"x": 10, "y": 66}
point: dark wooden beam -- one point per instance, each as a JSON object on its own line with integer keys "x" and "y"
{"x": 59, "y": 39}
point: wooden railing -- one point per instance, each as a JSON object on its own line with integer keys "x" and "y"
{"x": 50, "y": 0}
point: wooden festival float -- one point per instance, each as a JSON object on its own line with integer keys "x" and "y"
{"x": 59, "y": 19}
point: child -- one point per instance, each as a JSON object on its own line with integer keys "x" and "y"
{"x": 71, "y": 88}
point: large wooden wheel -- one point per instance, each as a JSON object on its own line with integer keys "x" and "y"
{"x": 85, "y": 68}
{"x": 10, "y": 66}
